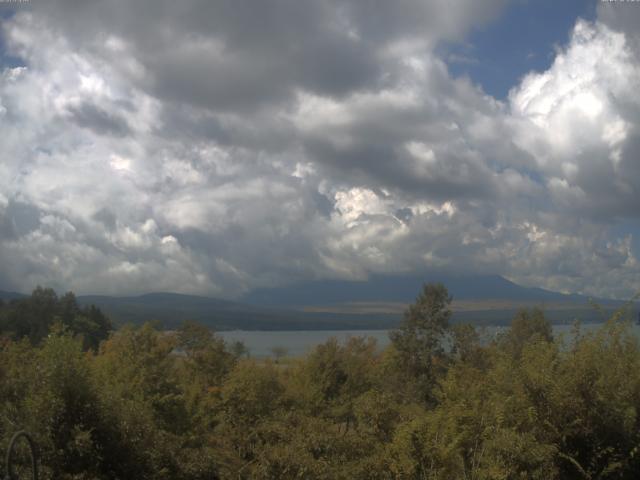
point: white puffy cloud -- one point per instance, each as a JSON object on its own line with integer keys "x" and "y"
{"x": 581, "y": 113}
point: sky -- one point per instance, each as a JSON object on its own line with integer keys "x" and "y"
{"x": 214, "y": 147}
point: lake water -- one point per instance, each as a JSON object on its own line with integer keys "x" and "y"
{"x": 298, "y": 343}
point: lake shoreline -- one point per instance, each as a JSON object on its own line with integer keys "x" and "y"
{"x": 261, "y": 343}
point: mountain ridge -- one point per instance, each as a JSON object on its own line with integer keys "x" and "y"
{"x": 341, "y": 305}
{"x": 387, "y": 288}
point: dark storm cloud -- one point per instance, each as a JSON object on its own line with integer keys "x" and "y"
{"x": 451, "y": 177}
{"x": 234, "y": 55}
{"x": 229, "y": 55}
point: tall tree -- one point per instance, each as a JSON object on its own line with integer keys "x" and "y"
{"x": 418, "y": 340}
{"x": 526, "y": 327}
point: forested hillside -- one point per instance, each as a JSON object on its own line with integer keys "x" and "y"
{"x": 144, "y": 404}
{"x": 43, "y": 313}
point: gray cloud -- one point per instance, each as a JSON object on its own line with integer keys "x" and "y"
{"x": 231, "y": 55}
{"x": 101, "y": 122}
{"x": 214, "y": 147}
{"x": 623, "y": 17}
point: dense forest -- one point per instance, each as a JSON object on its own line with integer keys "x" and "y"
{"x": 441, "y": 402}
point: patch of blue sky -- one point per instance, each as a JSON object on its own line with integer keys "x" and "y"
{"x": 625, "y": 228}
{"x": 523, "y": 39}
{"x": 7, "y": 10}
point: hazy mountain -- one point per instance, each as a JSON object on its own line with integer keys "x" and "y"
{"x": 328, "y": 305}
{"x": 163, "y": 300}
{"x": 10, "y": 295}
{"x": 384, "y": 288}
{"x": 171, "y": 309}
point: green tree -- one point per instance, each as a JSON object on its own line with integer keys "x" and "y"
{"x": 279, "y": 352}
{"x": 419, "y": 339}
{"x": 203, "y": 363}
{"x": 527, "y": 326}
{"x": 33, "y": 318}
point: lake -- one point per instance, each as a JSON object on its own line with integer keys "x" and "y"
{"x": 301, "y": 342}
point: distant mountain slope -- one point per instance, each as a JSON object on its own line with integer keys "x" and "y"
{"x": 342, "y": 305}
{"x": 401, "y": 289}
{"x": 10, "y": 295}
{"x": 163, "y": 300}
{"x": 171, "y": 309}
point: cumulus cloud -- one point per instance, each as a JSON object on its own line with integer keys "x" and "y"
{"x": 580, "y": 121}
{"x": 215, "y": 147}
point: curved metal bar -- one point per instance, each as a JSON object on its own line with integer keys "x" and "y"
{"x": 9, "y": 457}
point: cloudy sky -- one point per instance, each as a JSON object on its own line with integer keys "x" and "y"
{"x": 213, "y": 147}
